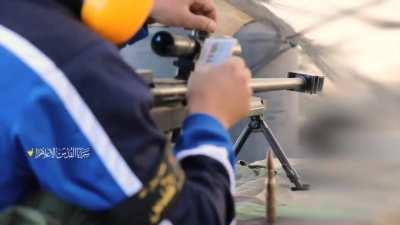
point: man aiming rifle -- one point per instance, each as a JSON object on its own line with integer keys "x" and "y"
{"x": 65, "y": 89}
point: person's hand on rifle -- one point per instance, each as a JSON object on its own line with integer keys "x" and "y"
{"x": 222, "y": 92}
{"x": 191, "y": 14}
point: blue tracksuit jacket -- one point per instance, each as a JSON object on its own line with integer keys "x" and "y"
{"x": 74, "y": 121}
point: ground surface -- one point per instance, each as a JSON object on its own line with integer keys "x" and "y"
{"x": 342, "y": 192}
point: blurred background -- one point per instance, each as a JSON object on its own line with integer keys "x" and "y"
{"x": 345, "y": 142}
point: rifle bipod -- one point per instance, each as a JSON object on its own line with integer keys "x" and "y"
{"x": 258, "y": 124}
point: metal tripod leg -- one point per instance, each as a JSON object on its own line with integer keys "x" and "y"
{"x": 242, "y": 139}
{"x": 291, "y": 173}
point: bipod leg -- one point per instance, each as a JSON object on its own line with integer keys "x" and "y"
{"x": 280, "y": 154}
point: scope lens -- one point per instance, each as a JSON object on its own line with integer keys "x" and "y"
{"x": 162, "y": 43}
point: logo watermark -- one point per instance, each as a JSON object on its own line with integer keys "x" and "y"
{"x": 64, "y": 153}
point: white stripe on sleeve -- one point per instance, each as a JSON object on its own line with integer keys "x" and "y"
{"x": 75, "y": 106}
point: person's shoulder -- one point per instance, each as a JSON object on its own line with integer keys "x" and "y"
{"x": 50, "y": 27}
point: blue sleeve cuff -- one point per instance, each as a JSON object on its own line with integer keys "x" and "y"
{"x": 201, "y": 129}
{"x": 203, "y": 135}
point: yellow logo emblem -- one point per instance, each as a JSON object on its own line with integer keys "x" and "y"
{"x": 30, "y": 153}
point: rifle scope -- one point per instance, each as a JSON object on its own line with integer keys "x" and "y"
{"x": 172, "y": 45}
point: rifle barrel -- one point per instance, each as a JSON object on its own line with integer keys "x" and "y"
{"x": 257, "y": 84}
{"x": 276, "y": 84}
